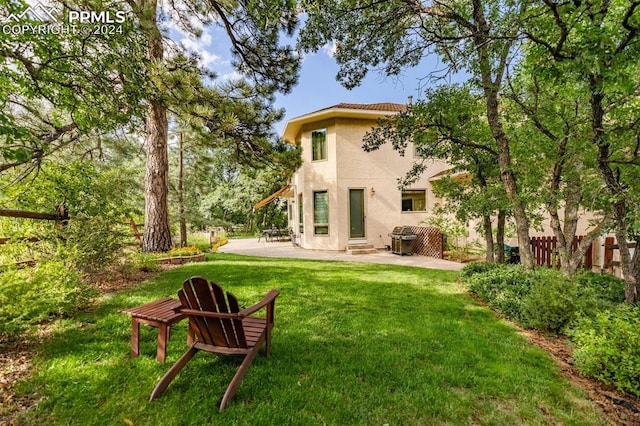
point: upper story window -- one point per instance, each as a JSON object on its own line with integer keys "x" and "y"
{"x": 414, "y": 200}
{"x": 319, "y": 145}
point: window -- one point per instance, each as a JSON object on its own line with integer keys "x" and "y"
{"x": 319, "y": 145}
{"x": 300, "y": 214}
{"x": 414, "y": 200}
{"x": 321, "y": 213}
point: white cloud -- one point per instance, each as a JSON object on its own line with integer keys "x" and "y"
{"x": 206, "y": 39}
{"x": 199, "y": 46}
{"x": 330, "y": 49}
{"x": 207, "y": 58}
{"x": 233, "y": 75}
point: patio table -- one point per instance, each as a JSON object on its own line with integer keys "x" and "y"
{"x": 162, "y": 313}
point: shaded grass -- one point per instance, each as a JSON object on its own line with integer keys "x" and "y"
{"x": 353, "y": 344}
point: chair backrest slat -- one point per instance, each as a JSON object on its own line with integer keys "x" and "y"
{"x": 237, "y": 324}
{"x": 198, "y": 324}
{"x": 200, "y": 294}
{"x": 200, "y": 298}
{"x": 222, "y": 306}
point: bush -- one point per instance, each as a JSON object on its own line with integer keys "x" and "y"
{"x": 598, "y": 292}
{"x": 607, "y": 347}
{"x": 33, "y": 295}
{"x": 97, "y": 229}
{"x": 550, "y": 304}
{"x": 478, "y": 267}
{"x": 183, "y": 251}
{"x": 503, "y": 287}
{"x": 144, "y": 262}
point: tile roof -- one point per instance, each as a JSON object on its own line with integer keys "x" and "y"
{"x": 384, "y": 106}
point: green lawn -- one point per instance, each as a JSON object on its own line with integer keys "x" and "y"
{"x": 353, "y": 344}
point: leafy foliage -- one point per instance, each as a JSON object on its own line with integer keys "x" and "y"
{"x": 183, "y": 251}
{"x": 598, "y": 292}
{"x": 98, "y": 225}
{"x": 588, "y": 307}
{"x": 608, "y": 347}
{"x": 33, "y": 295}
{"x": 544, "y": 299}
{"x": 59, "y": 87}
{"x": 595, "y": 45}
{"x": 503, "y": 287}
{"x": 472, "y": 268}
{"x": 550, "y": 304}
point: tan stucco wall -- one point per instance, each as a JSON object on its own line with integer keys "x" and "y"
{"x": 349, "y": 166}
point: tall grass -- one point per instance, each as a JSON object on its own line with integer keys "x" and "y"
{"x": 353, "y": 344}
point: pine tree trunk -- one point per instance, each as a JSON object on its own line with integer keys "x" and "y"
{"x": 157, "y": 234}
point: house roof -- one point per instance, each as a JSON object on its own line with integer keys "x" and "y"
{"x": 346, "y": 110}
{"x": 384, "y": 106}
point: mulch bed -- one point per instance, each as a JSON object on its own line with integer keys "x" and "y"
{"x": 618, "y": 407}
{"x": 15, "y": 363}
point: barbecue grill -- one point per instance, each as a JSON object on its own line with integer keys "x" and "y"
{"x": 402, "y": 240}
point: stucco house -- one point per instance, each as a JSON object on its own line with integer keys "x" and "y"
{"x": 343, "y": 197}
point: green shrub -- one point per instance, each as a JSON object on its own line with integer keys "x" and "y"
{"x": 503, "y": 287}
{"x": 478, "y": 267}
{"x": 598, "y": 292}
{"x": 97, "y": 229}
{"x": 607, "y": 347}
{"x": 550, "y": 304}
{"x": 145, "y": 262}
{"x": 183, "y": 251}
{"x": 32, "y": 295}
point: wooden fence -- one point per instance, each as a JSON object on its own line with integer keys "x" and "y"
{"x": 545, "y": 251}
{"x": 61, "y": 215}
{"x": 429, "y": 241}
{"x": 609, "y": 246}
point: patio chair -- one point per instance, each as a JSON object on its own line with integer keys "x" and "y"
{"x": 222, "y": 328}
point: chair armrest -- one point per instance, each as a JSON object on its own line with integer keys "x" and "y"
{"x": 195, "y": 312}
{"x": 269, "y": 298}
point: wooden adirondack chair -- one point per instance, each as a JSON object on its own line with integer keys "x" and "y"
{"x": 221, "y": 328}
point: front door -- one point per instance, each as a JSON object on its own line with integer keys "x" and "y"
{"x": 356, "y": 213}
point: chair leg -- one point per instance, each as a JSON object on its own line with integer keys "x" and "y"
{"x": 237, "y": 378}
{"x": 172, "y": 373}
{"x": 268, "y": 341}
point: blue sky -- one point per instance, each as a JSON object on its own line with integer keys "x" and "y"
{"x": 317, "y": 87}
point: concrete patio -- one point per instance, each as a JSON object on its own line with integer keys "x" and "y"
{"x": 251, "y": 247}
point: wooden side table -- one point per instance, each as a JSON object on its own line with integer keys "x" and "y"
{"x": 162, "y": 313}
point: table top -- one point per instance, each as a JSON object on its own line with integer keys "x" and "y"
{"x": 166, "y": 311}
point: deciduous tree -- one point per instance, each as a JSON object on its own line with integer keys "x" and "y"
{"x": 449, "y": 126}
{"x": 478, "y": 36}
{"x": 596, "y": 46}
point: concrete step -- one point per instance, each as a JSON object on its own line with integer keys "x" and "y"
{"x": 361, "y": 249}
